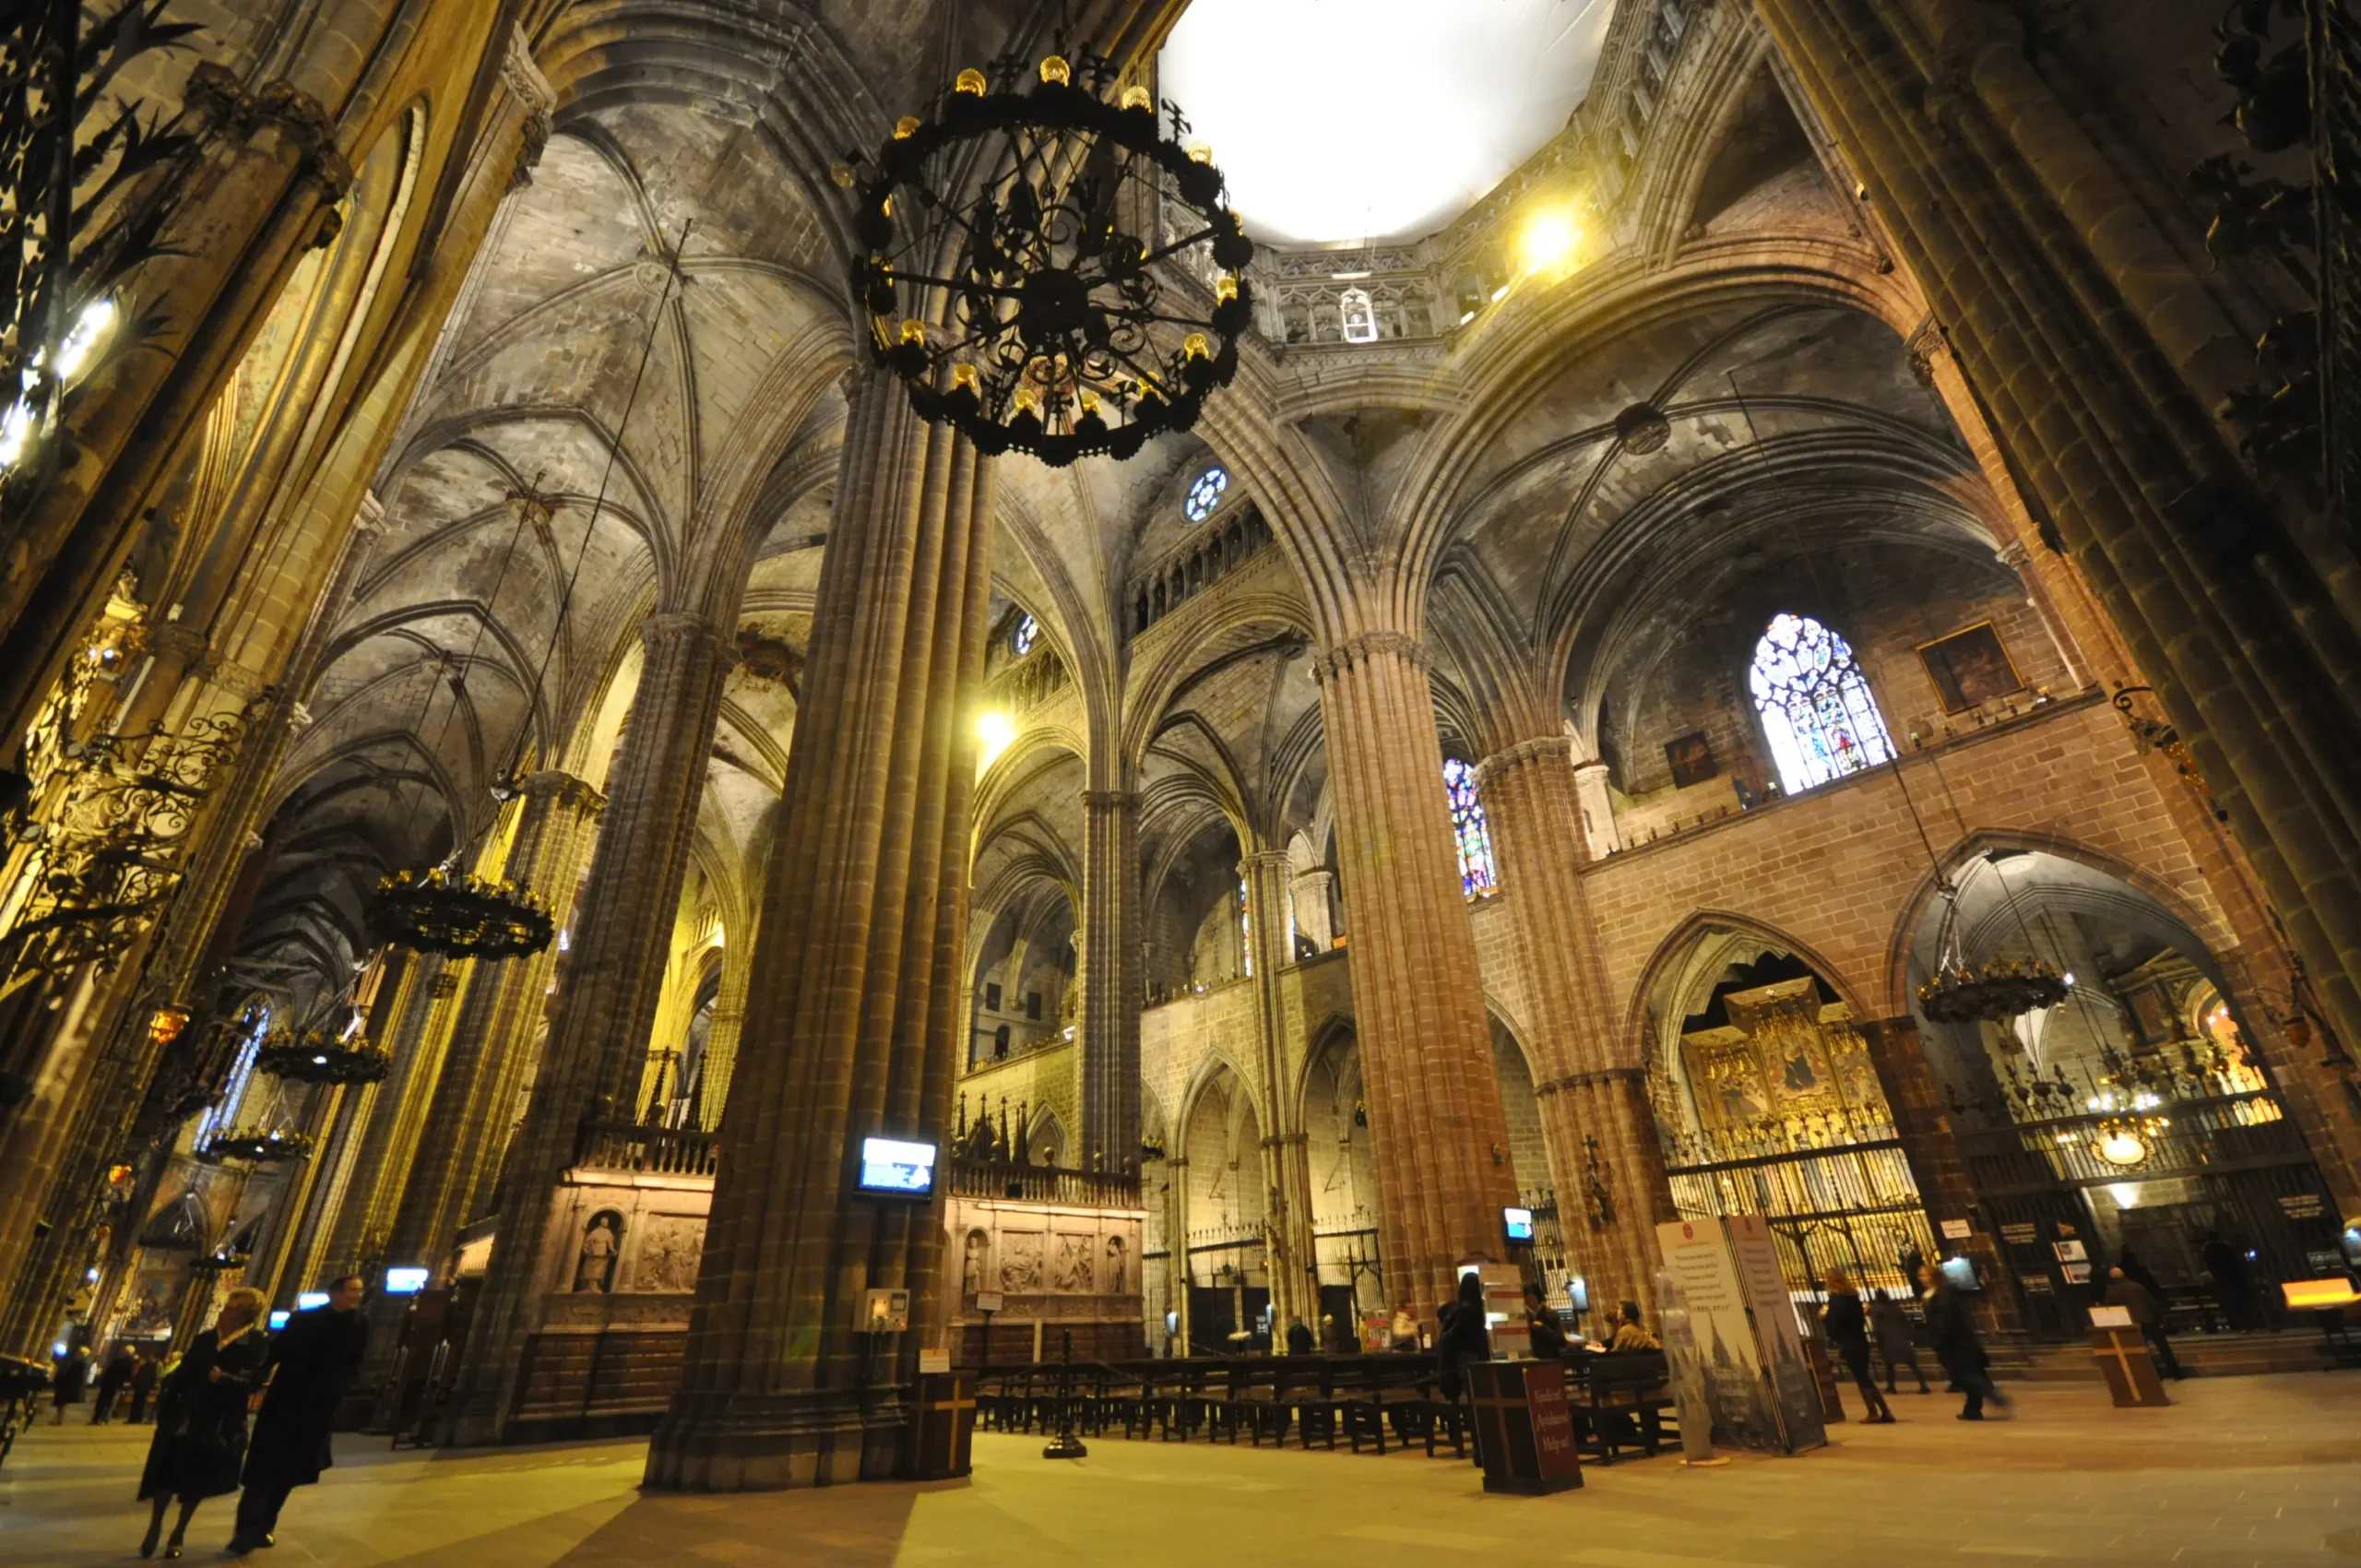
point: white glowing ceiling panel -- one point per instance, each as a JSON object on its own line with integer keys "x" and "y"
{"x": 1346, "y": 120}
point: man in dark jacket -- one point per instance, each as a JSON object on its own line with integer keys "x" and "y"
{"x": 2124, "y": 1291}
{"x": 313, "y": 1361}
{"x": 143, "y": 1386}
{"x": 1952, "y": 1330}
{"x": 113, "y": 1377}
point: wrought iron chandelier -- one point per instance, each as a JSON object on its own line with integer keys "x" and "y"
{"x": 323, "y": 1056}
{"x": 255, "y": 1143}
{"x": 1962, "y": 991}
{"x": 461, "y": 917}
{"x": 1006, "y": 274}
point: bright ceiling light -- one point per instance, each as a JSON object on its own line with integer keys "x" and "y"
{"x": 15, "y": 432}
{"x": 1548, "y": 241}
{"x": 1376, "y": 119}
{"x": 90, "y": 329}
{"x": 994, "y": 730}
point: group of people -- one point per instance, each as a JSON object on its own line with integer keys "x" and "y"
{"x": 134, "y": 1369}
{"x": 290, "y": 1382}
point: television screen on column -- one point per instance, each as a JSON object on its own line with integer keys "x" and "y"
{"x": 895, "y": 1168}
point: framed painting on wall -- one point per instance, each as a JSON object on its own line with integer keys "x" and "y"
{"x": 1970, "y": 667}
{"x": 1691, "y": 758}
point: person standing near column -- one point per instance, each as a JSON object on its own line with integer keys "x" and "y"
{"x": 1957, "y": 1345}
{"x": 312, "y": 1363}
{"x": 143, "y": 1385}
{"x": 112, "y": 1379}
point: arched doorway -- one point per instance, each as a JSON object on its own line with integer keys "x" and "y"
{"x": 1767, "y": 1102}
{"x": 2134, "y": 1116}
{"x": 1229, "y": 1287}
{"x": 1343, "y": 1173}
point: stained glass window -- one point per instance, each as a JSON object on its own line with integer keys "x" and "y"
{"x": 1205, "y": 494}
{"x": 1020, "y": 641}
{"x": 1359, "y": 314}
{"x": 1817, "y": 710}
{"x": 1477, "y": 877}
{"x": 222, "y": 1116}
{"x": 1245, "y": 930}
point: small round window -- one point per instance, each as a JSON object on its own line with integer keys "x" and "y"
{"x": 1205, "y": 494}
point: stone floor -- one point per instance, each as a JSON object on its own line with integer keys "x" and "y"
{"x": 2242, "y": 1471}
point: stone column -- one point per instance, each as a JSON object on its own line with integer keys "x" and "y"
{"x": 391, "y": 1111}
{"x": 491, "y": 1033}
{"x": 1314, "y": 911}
{"x": 1596, "y": 809}
{"x": 856, "y": 1018}
{"x": 2099, "y": 352}
{"x": 1931, "y": 1145}
{"x": 721, "y": 1040}
{"x": 1111, "y": 982}
{"x": 1287, "y": 1165}
{"x": 613, "y": 975}
{"x": 1595, "y": 1110}
{"x": 1440, "y": 1139}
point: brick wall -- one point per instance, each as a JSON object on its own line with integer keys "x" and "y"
{"x": 1834, "y": 872}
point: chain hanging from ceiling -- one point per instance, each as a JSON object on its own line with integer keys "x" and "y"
{"x": 1013, "y": 262}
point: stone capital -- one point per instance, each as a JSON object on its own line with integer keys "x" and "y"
{"x": 563, "y": 788}
{"x": 1265, "y": 860}
{"x": 1595, "y": 1079}
{"x": 1367, "y": 647}
{"x": 369, "y": 517}
{"x": 1507, "y": 760}
{"x": 667, "y": 629}
{"x": 178, "y": 641}
{"x": 1111, "y": 800}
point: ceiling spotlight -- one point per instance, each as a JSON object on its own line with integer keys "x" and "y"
{"x": 1547, "y": 242}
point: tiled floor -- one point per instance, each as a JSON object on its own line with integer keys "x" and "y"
{"x": 2258, "y": 1470}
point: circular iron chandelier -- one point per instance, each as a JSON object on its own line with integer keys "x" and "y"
{"x": 321, "y": 1056}
{"x": 252, "y": 1144}
{"x": 1965, "y": 993}
{"x": 1004, "y": 278}
{"x": 463, "y": 917}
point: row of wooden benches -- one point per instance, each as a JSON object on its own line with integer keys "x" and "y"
{"x": 1372, "y": 1402}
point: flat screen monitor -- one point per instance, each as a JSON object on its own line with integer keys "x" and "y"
{"x": 1520, "y": 1223}
{"x": 895, "y": 1168}
{"x": 405, "y": 1281}
{"x": 1961, "y": 1272}
{"x": 279, "y": 1319}
{"x": 306, "y": 1300}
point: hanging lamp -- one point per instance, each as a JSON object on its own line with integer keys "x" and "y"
{"x": 1011, "y": 280}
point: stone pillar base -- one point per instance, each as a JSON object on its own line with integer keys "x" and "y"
{"x": 779, "y": 1444}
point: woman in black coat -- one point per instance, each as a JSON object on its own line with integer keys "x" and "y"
{"x": 200, "y": 1438}
{"x": 1466, "y": 1338}
{"x": 1847, "y": 1323}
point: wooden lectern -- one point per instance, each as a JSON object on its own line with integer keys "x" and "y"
{"x": 947, "y": 1423}
{"x": 2121, "y": 1351}
{"x": 1524, "y": 1429}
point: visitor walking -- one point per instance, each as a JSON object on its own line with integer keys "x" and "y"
{"x": 1847, "y": 1323}
{"x": 143, "y": 1386}
{"x": 73, "y": 1377}
{"x": 312, "y": 1363}
{"x": 2134, "y": 1298}
{"x": 1951, "y": 1328}
{"x": 1891, "y": 1325}
{"x": 201, "y": 1419}
{"x": 113, "y": 1378}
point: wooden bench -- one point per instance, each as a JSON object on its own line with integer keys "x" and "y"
{"x": 1619, "y": 1403}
